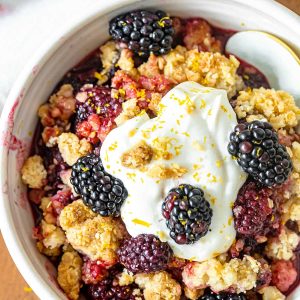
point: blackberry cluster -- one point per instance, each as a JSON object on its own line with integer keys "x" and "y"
{"x": 144, "y": 254}
{"x": 209, "y": 295}
{"x": 98, "y": 101}
{"x": 102, "y": 192}
{"x": 107, "y": 290}
{"x": 188, "y": 214}
{"x": 144, "y": 31}
{"x": 258, "y": 152}
{"x": 253, "y": 214}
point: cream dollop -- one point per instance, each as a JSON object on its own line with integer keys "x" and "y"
{"x": 193, "y": 126}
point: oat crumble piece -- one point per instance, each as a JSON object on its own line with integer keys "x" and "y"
{"x": 238, "y": 275}
{"x": 282, "y": 247}
{"x": 130, "y": 110}
{"x": 69, "y": 274}
{"x": 271, "y": 293}
{"x": 53, "y": 236}
{"x": 158, "y": 286}
{"x": 109, "y": 55}
{"x": 165, "y": 172}
{"x": 72, "y": 148}
{"x": 33, "y": 172}
{"x": 126, "y": 62}
{"x": 61, "y": 106}
{"x": 193, "y": 294}
{"x": 125, "y": 278}
{"x": 278, "y": 107}
{"x": 65, "y": 177}
{"x": 138, "y": 156}
{"x": 89, "y": 233}
{"x": 48, "y": 251}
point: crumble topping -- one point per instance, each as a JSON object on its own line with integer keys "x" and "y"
{"x": 238, "y": 275}
{"x": 89, "y": 233}
{"x": 130, "y": 110}
{"x": 193, "y": 294}
{"x": 158, "y": 286}
{"x": 61, "y": 106}
{"x": 125, "y": 278}
{"x": 33, "y": 172}
{"x": 166, "y": 172}
{"x": 271, "y": 293}
{"x": 278, "y": 107}
{"x": 53, "y": 236}
{"x": 69, "y": 274}
{"x": 72, "y": 148}
{"x": 138, "y": 156}
{"x": 282, "y": 247}
{"x": 126, "y": 62}
{"x": 48, "y": 251}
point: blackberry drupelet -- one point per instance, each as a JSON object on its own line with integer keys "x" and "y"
{"x": 97, "y": 100}
{"x": 144, "y": 254}
{"x": 188, "y": 214}
{"x": 102, "y": 192}
{"x": 209, "y": 295}
{"x": 143, "y": 31}
{"x": 258, "y": 152}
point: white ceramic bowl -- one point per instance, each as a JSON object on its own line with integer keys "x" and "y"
{"x": 35, "y": 84}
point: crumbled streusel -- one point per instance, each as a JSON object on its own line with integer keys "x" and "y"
{"x": 238, "y": 275}
{"x": 282, "y": 247}
{"x": 53, "y": 236}
{"x": 166, "y": 172}
{"x": 130, "y": 110}
{"x": 69, "y": 274}
{"x": 138, "y": 156}
{"x": 125, "y": 278}
{"x": 158, "y": 286}
{"x": 33, "y": 172}
{"x": 48, "y": 251}
{"x": 193, "y": 294}
{"x": 126, "y": 62}
{"x": 278, "y": 107}
{"x": 72, "y": 148}
{"x": 65, "y": 176}
{"x": 271, "y": 293}
{"x": 89, "y": 233}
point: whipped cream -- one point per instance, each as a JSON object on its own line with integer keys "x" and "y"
{"x": 196, "y": 121}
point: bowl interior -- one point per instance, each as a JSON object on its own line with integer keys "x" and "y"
{"x": 20, "y": 116}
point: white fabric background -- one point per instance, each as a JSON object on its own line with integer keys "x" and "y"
{"x": 26, "y": 24}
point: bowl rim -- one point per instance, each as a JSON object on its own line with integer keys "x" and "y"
{"x": 24, "y": 81}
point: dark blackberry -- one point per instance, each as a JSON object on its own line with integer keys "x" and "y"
{"x": 96, "y": 100}
{"x": 102, "y": 192}
{"x": 258, "y": 152}
{"x": 209, "y": 295}
{"x": 188, "y": 214}
{"x": 107, "y": 290}
{"x": 144, "y": 254}
{"x": 254, "y": 213}
{"x": 143, "y": 31}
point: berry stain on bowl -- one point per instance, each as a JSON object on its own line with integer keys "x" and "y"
{"x": 164, "y": 167}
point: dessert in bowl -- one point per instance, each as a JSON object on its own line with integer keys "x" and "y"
{"x": 163, "y": 167}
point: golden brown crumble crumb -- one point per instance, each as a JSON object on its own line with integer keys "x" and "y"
{"x": 48, "y": 251}
{"x": 65, "y": 176}
{"x": 53, "y": 236}
{"x": 154, "y": 102}
{"x": 165, "y": 172}
{"x": 60, "y": 106}
{"x": 130, "y": 110}
{"x": 282, "y": 247}
{"x": 238, "y": 275}
{"x": 69, "y": 274}
{"x": 72, "y": 148}
{"x": 193, "y": 294}
{"x": 33, "y": 172}
{"x": 138, "y": 156}
{"x": 125, "y": 278}
{"x": 158, "y": 286}
{"x": 109, "y": 55}
{"x": 89, "y": 233}
{"x": 271, "y": 293}
{"x": 278, "y": 107}
{"x": 126, "y": 62}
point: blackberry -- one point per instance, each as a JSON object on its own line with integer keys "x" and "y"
{"x": 209, "y": 295}
{"x": 107, "y": 290}
{"x": 143, "y": 31}
{"x": 102, "y": 192}
{"x": 96, "y": 100}
{"x": 144, "y": 254}
{"x": 258, "y": 152}
{"x": 254, "y": 215}
{"x": 188, "y": 214}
